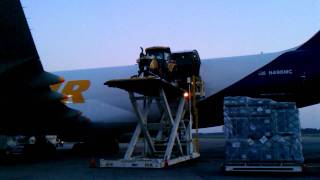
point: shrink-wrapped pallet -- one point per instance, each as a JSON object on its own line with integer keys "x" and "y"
{"x": 261, "y": 130}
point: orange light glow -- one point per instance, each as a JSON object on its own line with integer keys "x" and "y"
{"x": 61, "y": 79}
{"x": 186, "y": 95}
{"x": 65, "y": 97}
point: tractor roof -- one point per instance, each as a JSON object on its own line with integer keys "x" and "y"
{"x": 157, "y": 48}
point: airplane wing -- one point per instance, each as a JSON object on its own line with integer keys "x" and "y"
{"x": 27, "y": 103}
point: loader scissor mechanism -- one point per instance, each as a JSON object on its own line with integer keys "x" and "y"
{"x": 166, "y": 139}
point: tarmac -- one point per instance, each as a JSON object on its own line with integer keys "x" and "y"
{"x": 67, "y": 165}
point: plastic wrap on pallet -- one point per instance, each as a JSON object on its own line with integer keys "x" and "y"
{"x": 261, "y": 130}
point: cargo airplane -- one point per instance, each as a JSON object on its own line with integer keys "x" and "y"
{"x": 81, "y": 108}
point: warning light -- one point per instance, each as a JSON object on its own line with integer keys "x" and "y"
{"x": 93, "y": 163}
{"x": 61, "y": 79}
{"x": 65, "y": 97}
{"x": 186, "y": 95}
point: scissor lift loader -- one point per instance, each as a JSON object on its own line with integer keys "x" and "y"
{"x": 167, "y": 141}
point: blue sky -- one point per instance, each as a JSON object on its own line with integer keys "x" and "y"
{"x": 78, "y": 34}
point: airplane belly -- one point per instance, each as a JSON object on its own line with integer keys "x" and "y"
{"x": 101, "y": 112}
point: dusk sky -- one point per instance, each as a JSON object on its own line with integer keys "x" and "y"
{"x": 79, "y": 34}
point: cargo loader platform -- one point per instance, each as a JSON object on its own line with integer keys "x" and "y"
{"x": 147, "y": 86}
{"x": 167, "y": 140}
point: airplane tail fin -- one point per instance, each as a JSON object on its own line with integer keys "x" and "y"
{"x": 16, "y": 45}
{"x": 25, "y": 93}
{"x": 312, "y": 44}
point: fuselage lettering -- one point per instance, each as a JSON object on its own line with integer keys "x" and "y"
{"x": 73, "y": 89}
{"x": 280, "y": 72}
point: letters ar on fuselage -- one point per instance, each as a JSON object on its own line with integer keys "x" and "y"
{"x": 73, "y": 89}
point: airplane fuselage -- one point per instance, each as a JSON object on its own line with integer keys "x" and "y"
{"x": 279, "y": 76}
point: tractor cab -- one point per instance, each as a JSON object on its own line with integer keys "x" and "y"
{"x": 176, "y": 67}
{"x": 154, "y": 61}
{"x": 159, "y": 52}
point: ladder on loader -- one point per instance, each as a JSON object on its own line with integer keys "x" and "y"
{"x": 168, "y": 140}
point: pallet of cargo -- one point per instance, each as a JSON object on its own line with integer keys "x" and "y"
{"x": 262, "y": 135}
